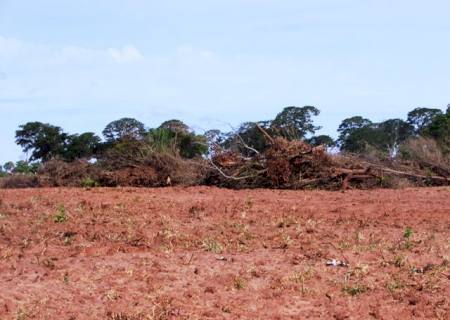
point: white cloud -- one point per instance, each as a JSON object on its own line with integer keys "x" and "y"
{"x": 126, "y": 54}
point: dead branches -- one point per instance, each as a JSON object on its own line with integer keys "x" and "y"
{"x": 296, "y": 165}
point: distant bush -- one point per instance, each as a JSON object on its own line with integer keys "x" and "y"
{"x": 56, "y": 173}
{"x": 426, "y": 155}
{"x": 17, "y": 181}
{"x": 88, "y": 183}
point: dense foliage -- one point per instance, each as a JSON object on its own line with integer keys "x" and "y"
{"x": 128, "y": 138}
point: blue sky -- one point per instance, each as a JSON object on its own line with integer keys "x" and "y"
{"x": 80, "y": 64}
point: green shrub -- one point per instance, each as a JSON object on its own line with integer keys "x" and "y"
{"x": 61, "y": 216}
{"x": 88, "y": 183}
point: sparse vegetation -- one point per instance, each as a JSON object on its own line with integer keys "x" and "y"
{"x": 239, "y": 283}
{"x": 212, "y": 246}
{"x": 408, "y": 233}
{"x": 61, "y": 215}
{"x": 143, "y": 252}
{"x": 355, "y": 290}
{"x": 88, "y": 183}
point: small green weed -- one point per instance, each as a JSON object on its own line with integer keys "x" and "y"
{"x": 399, "y": 261}
{"x": 395, "y": 286}
{"x": 408, "y": 233}
{"x": 239, "y": 283}
{"x": 88, "y": 183}
{"x": 212, "y": 246}
{"x": 355, "y": 290}
{"x": 61, "y": 216}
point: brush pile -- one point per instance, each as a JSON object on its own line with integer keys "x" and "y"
{"x": 298, "y": 165}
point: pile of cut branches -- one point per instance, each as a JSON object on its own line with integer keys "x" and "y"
{"x": 298, "y": 165}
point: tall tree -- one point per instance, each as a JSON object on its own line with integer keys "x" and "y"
{"x": 295, "y": 122}
{"x": 80, "y": 146}
{"x": 322, "y": 140}
{"x": 174, "y": 136}
{"x": 248, "y": 138}
{"x": 349, "y": 125}
{"x": 359, "y": 139}
{"x": 9, "y": 166}
{"x": 176, "y": 126}
{"x": 420, "y": 118}
{"x": 25, "y": 167}
{"x": 439, "y": 129}
{"x": 215, "y": 139}
{"x": 125, "y": 128}
{"x": 395, "y": 131}
{"x": 357, "y": 134}
{"x": 45, "y": 141}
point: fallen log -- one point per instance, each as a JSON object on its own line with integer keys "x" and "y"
{"x": 413, "y": 175}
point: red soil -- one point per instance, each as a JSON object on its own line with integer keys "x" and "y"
{"x": 208, "y": 253}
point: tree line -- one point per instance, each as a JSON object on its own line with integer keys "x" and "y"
{"x": 125, "y": 137}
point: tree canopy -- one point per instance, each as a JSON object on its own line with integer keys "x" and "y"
{"x": 348, "y": 127}
{"x": 125, "y": 128}
{"x": 127, "y": 136}
{"x": 80, "y": 146}
{"x": 295, "y": 122}
{"x": 45, "y": 141}
{"x": 322, "y": 140}
{"x": 439, "y": 129}
{"x": 421, "y": 118}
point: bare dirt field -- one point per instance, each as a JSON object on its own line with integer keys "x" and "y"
{"x": 208, "y": 253}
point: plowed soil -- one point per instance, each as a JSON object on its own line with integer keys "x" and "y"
{"x": 208, "y": 253}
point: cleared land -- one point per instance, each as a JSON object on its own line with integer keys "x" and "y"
{"x": 208, "y": 253}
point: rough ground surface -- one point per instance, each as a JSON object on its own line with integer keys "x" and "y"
{"x": 207, "y": 253}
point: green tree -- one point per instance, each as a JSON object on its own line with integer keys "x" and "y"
{"x": 322, "y": 140}
{"x": 25, "y": 167}
{"x": 395, "y": 131}
{"x": 162, "y": 140}
{"x": 176, "y": 126}
{"x": 295, "y": 122}
{"x": 385, "y": 136}
{"x": 439, "y": 129}
{"x": 347, "y": 127}
{"x": 80, "y": 146}
{"x": 248, "y": 138}
{"x": 359, "y": 139}
{"x": 192, "y": 145}
{"x": 175, "y": 136}
{"x": 215, "y": 139}
{"x": 8, "y": 166}
{"x": 420, "y": 118}
{"x": 45, "y": 141}
{"x": 125, "y": 128}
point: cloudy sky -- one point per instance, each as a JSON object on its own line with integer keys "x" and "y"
{"x": 80, "y": 64}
